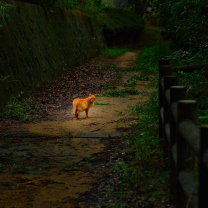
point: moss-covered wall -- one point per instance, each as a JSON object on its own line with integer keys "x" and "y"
{"x": 38, "y": 45}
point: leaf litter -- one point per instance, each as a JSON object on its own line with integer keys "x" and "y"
{"x": 80, "y": 81}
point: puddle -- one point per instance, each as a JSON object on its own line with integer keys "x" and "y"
{"x": 41, "y": 172}
{"x": 46, "y": 191}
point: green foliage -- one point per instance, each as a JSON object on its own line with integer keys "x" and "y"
{"x": 3, "y": 12}
{"x": 148, "y": 63}
{"x": 137, "y": 110}
{"x": 132, "y": 81}
{"x": 101, "y": 104}
{"x": 149, "y": 56}
{"x": 121, "y": 93}
{"x": 196, "y": 82}
{"x": 182, "y": 58}
{"x": 185, "y": 23}
{"x": 119, "y": 77}
{"x": 152, "y": 19}
{"x": 19, "y": 108}
{"x": 197, "y": 89}
{"x": 109, "y": 86}
{"x": 151, "y": 35}
{"x": 3, "y": 78}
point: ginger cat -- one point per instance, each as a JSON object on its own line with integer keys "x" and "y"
{"x": 80, "y": 105}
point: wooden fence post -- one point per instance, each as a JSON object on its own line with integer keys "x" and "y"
{"x": 176, "y": 93}
{"x": 178, "y": 127}
{"x": 164, "y": 69}
{"x": 203, "y": 170}
{"x": 168, "y": 82}
{"x": 187, "y": 110}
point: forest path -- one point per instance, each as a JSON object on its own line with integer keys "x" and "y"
{"x": 59, "y": 159}
{"x": 103, "y": 118}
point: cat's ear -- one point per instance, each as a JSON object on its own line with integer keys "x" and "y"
{"x": 90, "y": 95}
{"x": 95, "y": 95}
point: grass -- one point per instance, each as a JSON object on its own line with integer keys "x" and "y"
{"x": 121, "y": 93}
{"x": 198, "y": 91}
{"x": 137, "y": 110}
{"x": 148, "y": 58}
{"x": 3, "y": 78}
{"x": 132, "y": 81}
{"x": 101, "y": 104}
{"x": 19, "y": 108}
{"x": 109, "y": 86}
{"x": 115, "y": 52}
{"x": 151, "y": 35}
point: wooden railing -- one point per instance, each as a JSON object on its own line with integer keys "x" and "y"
{"x": 185, "y": 145}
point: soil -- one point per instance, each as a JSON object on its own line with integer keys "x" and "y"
{"x": 51, "y": 162}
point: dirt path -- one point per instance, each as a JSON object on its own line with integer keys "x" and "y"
{"x": 50, "y": 171}
{"x": 104, "y": 119}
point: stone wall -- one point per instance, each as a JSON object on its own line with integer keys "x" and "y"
{"x": 38, "y": 45}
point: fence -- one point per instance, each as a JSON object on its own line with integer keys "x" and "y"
{"x": 185, "y": 144}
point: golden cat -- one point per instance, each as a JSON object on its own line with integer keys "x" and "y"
{"x": 80, "y": 105}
